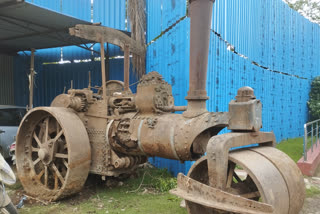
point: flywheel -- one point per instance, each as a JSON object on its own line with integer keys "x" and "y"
{"x": 52, "y": 152}
{"x": 268, "y": 176}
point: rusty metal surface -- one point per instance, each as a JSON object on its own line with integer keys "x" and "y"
{"x": 31, "y": 79}
{"x": 245, "y": 112}
{"x": 200, "y": 13}
{"x": 168, "y": 135}
{"x": 53, "y": 156}
{"x": 218, "y": 152}
{"x": 115, "y": 131}
{"x": 270, "y": 187}
{"x": 215, "y": 199}
{"x": 290, "y": 172}
{"x": 103, "y": 68}
{"x": 113, "y": 86}
{"x": 126, "y": 67}
{"x": 200, "y": 22}
{"x": 271, "y": 184}
{"x": 153, "y": 94}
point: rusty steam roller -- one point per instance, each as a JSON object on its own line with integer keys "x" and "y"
{"x": 111, "y": 132}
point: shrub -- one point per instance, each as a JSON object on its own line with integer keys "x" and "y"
{"x": 314, "y": 99}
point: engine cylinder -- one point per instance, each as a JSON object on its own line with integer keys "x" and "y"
{"x": 168, "y": 135}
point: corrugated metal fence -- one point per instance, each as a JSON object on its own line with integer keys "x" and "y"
{"x": 6, "y": 80}
{"x": 275, "y": 50}
{"x": 53, "y": 79}
{"x": 280, "y": 56}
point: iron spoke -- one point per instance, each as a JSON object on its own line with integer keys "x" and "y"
{"x": 58, "y": 136}
{"x": 35, "y": 149}
{"x": 251, "y": 195}
{"x": 46, "y": 133}
{"x": 60, "y": 155}
{"x": 36, "y": 161}
{"x": 57, "y": 173}
{"x": 55, "y": 181}
{"x": 40, "y": 174}
{"x": 37, "y": 139}
{"x": 230, "y": 174}
{"x": 65, "y": 163}
{"x": 58, "y": 126}
{"x": 46, "y": 175}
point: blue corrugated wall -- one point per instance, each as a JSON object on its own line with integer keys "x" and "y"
{"x": 52, "y": 78}
{"x": 266, "y": 32}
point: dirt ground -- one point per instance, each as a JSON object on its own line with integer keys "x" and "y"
{"x": 311, "y": 205}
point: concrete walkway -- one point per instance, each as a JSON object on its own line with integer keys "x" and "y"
{"x": 312, "y": 205}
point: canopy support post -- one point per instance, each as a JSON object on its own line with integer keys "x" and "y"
{"x": 103, "y": 70}
{"x": 31, "y": 79}
{"x": 126, "y": 67}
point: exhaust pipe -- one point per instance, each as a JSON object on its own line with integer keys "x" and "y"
{"x": 200, "y": 23}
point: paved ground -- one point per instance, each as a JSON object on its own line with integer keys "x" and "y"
{"x": 312, "y": 205}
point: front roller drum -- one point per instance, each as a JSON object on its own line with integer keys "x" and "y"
{"x": 271, "y": 178}
{"x": 53, "y": 153}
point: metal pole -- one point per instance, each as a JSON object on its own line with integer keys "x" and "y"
{"x": 103, "y": 70}
{"x": 126, "y": 67}
{"x": 317, "y": 127}
{"x": 31, "y": 79}
{"x": 107, "y": 63}
{"x": 305, "y": 141}
{"x": 312, "y": 138}
{"x": 89, "y": 81}
{"x": 200, "y": 12}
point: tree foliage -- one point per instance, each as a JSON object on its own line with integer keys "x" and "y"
{"x": 308, "y": 8}
{"x": 314, "y": 99}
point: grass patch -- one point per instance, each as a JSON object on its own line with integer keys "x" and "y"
{"x": 146, "y": 193}
{"x": 15, "y": 186}
{"x": 292, "y": 147}
{"x": 312, "y": 191}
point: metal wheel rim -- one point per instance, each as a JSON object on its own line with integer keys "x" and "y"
{"x": 53, "y": 154}
{"x": 272, "y": 187}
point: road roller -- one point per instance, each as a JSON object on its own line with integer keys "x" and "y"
{"x": 111, "y": 131}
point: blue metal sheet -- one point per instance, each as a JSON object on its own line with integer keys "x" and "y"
{"x": 111, "y": 13}
{"x": 172, "y": 11}
{"x": 273, "y": 35}
{"x": 80, "y": 10}
{"x": 29, "y": 15}
{"x": 53, "y": 79}
{"x": 154, "y": 16}
{"x": 54, "y": 5}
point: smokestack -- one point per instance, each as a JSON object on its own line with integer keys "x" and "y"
{"x": 200, "y": 23}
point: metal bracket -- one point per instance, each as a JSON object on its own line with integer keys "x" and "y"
{"x": 110, "y": 35}
{"x": 218, "y": 152}
{"x": 196, "y": 192}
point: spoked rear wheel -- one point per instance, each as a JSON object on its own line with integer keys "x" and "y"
{"x": 53, "y": 153}
{"x": 266, "y": 179}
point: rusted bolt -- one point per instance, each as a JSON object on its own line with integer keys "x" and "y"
{"x": 245, "y": 94}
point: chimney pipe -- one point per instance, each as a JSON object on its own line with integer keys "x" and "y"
{"x": 200, "y": 23}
